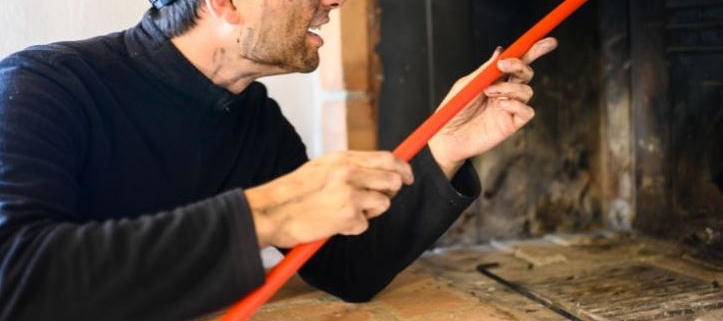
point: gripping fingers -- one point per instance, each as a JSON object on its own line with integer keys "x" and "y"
{"x": 357, "y": 227}
{"x": 384, "y": 182}
{"x": 521, "y": 114}
{"x": 373, "y": 204}
{"x": 383, "y": 161}
{"x": 508, "y": 90}
{"x": 519, "y": 71}
{"x": 369, "y": 204}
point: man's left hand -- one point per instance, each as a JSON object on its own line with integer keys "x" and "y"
{"x": 494, "y": 115}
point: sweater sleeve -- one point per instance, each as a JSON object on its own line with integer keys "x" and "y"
{"x": 57, "y": 265}
{"x": 355, "y": 268}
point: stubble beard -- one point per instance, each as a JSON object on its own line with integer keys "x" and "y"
{"x": 298, "y": 59}
{"x": 294, "y": 54}
{"x": 283, "y": 47}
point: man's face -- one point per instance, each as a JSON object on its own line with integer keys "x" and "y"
{"x": 277, "y": 34}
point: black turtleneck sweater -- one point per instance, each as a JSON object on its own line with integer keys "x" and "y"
{"x": 122, "y": 171}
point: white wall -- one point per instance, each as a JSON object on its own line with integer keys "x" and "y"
{"x": 26, "y": 23}
{"x": 299, "y": 96}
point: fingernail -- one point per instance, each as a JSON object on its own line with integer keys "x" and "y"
{"x": 504, "y": 103}
{"x": 499, "y": 49}
{"x": 503, "y": 64}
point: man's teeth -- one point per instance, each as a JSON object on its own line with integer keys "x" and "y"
{"x": 315, "y": 30}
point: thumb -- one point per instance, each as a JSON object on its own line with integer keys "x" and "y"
{"x": 462, "y": 82}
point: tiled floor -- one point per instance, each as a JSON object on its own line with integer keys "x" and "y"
{"x": 415, "y": 295}
{"x": 599, "y": 277}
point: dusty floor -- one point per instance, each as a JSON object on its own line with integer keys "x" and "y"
{"x": 584, "y": 277}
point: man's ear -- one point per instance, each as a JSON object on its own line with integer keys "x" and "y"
{"x": 224, "y": 10}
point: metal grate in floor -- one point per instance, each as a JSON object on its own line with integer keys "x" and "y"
{"x": 590, "y": 277}
{"x": 635, "y": 292}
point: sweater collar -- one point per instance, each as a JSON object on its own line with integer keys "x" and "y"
{"x": 154, "y": 53}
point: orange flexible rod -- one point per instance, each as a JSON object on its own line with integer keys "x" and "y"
{"x": 296, "y": 258}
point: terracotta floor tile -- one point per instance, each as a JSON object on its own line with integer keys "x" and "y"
{"x": 423, "y": 297}
{"x": 473, "y": 313}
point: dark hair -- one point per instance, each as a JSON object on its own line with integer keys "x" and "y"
{"x": 178, "y": 17}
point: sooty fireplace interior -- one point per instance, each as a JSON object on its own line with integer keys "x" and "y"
{"x": 609, "y": 205}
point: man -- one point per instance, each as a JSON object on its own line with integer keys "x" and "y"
{"x": 142, "y": 171}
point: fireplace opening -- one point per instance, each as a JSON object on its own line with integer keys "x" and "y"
{"x": 627, "y": 142}
{"x": 628, "y": 128}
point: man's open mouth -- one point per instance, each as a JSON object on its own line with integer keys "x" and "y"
{"x": 313, "y": 33}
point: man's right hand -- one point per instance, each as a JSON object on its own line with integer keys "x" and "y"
{"x": 333, "y": 194}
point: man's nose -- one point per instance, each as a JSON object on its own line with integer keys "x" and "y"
{"x": 332, "y": 4}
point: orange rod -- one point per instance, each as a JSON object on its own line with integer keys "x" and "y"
{"x": 299, "y": 255}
